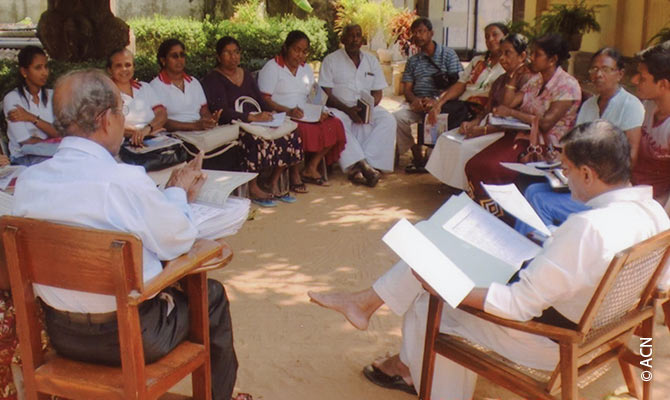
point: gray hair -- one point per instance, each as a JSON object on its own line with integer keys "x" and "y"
{"x": 79, "y": 99}
{"x": 602, "y": 147}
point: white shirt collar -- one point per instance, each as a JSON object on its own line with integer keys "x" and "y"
{"x": 87, "y": 146}
{"x": 635, "y": 193}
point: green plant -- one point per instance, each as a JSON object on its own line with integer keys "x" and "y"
{"x": 661, "y": 36}
{"x": 576, "y": 18}
{"x": 523, "y": 28}
{"x": 372, "y": 16}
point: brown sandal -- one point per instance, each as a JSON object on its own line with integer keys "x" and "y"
{"x": 243, "y": 396}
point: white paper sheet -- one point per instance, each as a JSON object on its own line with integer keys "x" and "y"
{"x": 277, "y": 120}
{"x": 523, "y": 168}
{"x": 508, "y": 122}
{"x": 478, "y": 227}
{"x": 155, "y": 143}
{"x": 311, "y": 113}
{"x": 429, "y": 262}
{"x": 220, "y": 184}
{"x": 512, "y": 201}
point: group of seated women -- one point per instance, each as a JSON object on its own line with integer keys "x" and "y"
{"x": 176, "y": 101}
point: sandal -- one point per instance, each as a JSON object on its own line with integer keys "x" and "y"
{"x": 414, "y": 169}
{"x": 378, "y": 377}
{"x": 264, "y": 202}
{"x": 298, "y": 187}
{"x": 286, "y": 198}
{"x": 243, "y": 396}
{"x": 314, "y": 181}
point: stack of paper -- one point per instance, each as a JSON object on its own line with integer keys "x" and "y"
{"x": 311, "y": 113}
{"x": 460, "y": 247}
{"x": 508, "y": 123}
{"x": 277, "y": 120}
{"x": 216, "y": 222}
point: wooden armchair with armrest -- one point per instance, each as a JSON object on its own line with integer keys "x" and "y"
{"x": 622, "y": 301}
{"x": 106, "y": 262}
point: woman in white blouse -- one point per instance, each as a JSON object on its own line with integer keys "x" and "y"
{"x": 28, "y": 108}
{"x": 180, "y": 93}
{"x": 146, "y": 114}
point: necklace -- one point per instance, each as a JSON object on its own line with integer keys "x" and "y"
{"x": 234, "y": 77}
{"x": 179, "y": 84}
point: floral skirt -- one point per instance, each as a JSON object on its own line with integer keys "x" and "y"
{"x": 261, "y": 154}
{"x": 316, "y": 136}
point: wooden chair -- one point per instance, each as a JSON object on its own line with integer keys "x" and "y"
{"x": 110, "y": 263}
{"x": 622, "y": 301}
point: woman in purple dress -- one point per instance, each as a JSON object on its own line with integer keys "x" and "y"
{"x": 225, "y": 84}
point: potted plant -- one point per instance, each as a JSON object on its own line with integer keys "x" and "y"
{"x": 571, "y": 20}
{"x": 661, "y": 36}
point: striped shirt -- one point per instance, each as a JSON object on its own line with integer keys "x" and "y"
{"x": 420, "y": 70}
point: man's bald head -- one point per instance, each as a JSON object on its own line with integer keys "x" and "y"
{"x": 80, "y": 97}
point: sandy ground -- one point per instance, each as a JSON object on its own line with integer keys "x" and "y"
{"x": 330, "y": 240}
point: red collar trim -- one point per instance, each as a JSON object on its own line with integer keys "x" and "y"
{"x": 135, "y": 84}
{"x": 163, "y": 77}
{"x": 280, "y": 61}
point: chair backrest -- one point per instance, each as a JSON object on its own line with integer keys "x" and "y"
{"x": 47, "y": 251}
{"x": 627, "y": 286}
{"x": 76, "y": 258}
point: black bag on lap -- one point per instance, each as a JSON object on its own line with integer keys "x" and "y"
{"x": 157, "y": 159}
{"x": 459, "y": 112}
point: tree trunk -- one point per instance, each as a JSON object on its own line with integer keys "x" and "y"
{"x": 79, "y": 30}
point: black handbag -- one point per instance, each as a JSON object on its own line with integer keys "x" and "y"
{"x": 460, "y": 111}
{"x": 157, "y": 159}
{"x": 443, "y": 79}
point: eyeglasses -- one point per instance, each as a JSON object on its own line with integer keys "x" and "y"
{"x": 604, "y": 70}
{"x": 177, "y": 55}
{"x": 123, "y": 110}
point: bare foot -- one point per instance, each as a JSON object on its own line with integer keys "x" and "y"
{"x": 392, "y": 366}
{"x": 357, "y": 307}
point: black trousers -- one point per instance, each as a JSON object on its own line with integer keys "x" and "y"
{"x": 161, "y": 332}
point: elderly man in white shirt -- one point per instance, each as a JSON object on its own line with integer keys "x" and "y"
{"x": 83, "y": 185}
{"x": 344, "y": 74}
{"x": 557, "y": 284}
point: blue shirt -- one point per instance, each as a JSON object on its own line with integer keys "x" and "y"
{"x": 419, "y": 70}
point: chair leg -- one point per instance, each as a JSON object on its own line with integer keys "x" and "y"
{"x": 196, "y": 290}
{"x": 629, "y": 377}
{"x": 666, "y": 313}
{"x": 432, "y": 329}
{"x": 324, "y": 169}
{"x": 647, "y": 332}
{"x": 568, "y": 362}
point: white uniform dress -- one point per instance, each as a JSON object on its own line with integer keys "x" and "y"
{"x": 374, "y": 142}
{"x": 286, "y": 89}
{"x": 181, "y": 106}
{"x": 141, "y": 104}
{"x": 564, "y": 280}
{"x": 21, "y": 131}
{"x": 624, "y": 110}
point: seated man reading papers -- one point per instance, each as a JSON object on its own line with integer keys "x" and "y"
{"x": 83, "y": 185}
{"x": 555, "y": 286}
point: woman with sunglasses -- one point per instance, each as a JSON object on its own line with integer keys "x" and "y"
{"x": 28, "y": 109}
{"x": 180, "y": 93}
{"x": 146, "y": 114}
{"x": 611, "y": 102}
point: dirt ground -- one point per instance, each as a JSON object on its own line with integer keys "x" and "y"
{"x": 330, "y": 239}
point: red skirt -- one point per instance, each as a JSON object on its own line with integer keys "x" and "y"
{"x": 485, "y": 167}
{"x": 316, "y": 136}
{"x": 649, "y": 170}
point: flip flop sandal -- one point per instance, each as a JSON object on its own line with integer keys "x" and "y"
{"x": 376, "y": 376}
{"x": 298, "y": 188}
{"x": 264, "y": 202}
{"x": 286, "y": 198}
{"x": 314, "y": 181}
{"x": 243, "y": 396}
{"x": 358, "y": 178}
{"x": 413, "y": 169}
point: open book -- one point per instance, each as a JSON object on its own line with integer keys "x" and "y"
{"x": 311, "y": 113}
{"x": 508, "y": 123}
{"x": 554, "y": 174}
{"x": 460, "y": 247}
{"x": 155, "y": 143}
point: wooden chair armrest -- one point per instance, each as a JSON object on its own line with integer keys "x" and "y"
{"x": 216, "y": 262}
{"x": 202, "y": 251}
{"x": 662, "y": 294}
{"x": 537, "y": 328}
